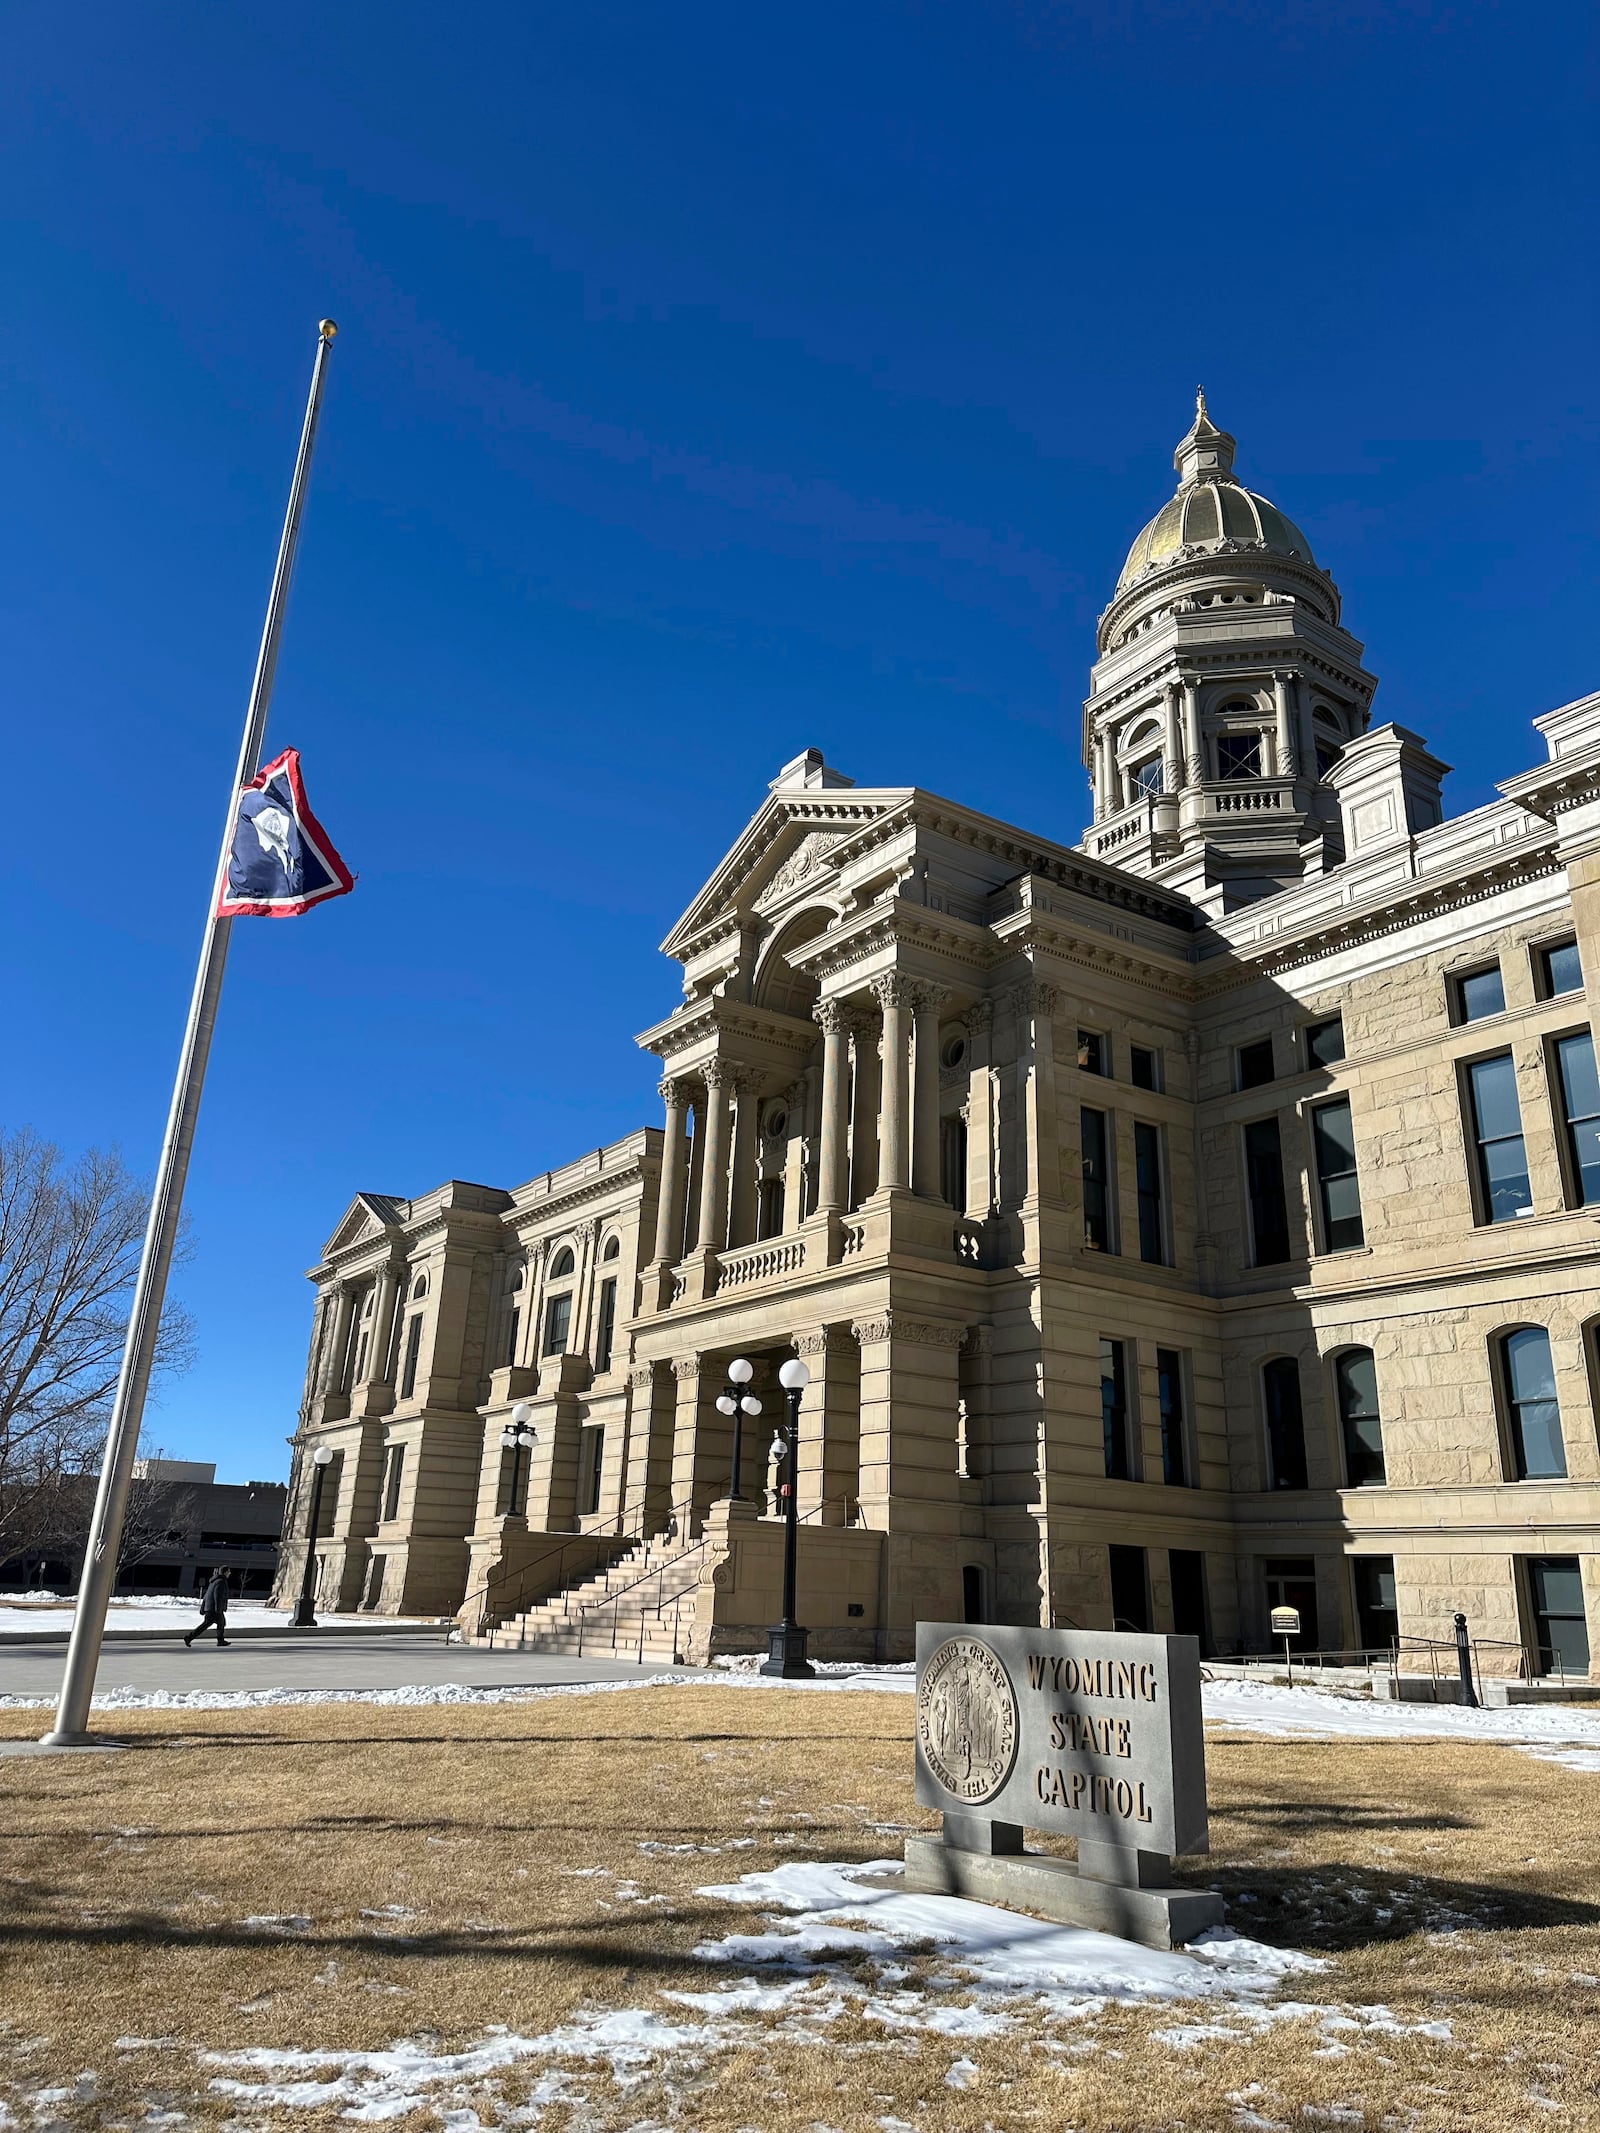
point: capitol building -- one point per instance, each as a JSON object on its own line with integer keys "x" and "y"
{"x": 1198, "y": 1220}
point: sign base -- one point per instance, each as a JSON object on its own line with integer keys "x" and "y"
{"x": 1055, "y": 1889}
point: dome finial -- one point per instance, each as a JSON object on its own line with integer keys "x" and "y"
{"x": 1199, "y": 402}
{"x": 1204, "y": 452}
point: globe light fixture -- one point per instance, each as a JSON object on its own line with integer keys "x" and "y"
{"x": 736, "y": 1403}
{"x": 517, "y": 1438}
{"x": 304, "y": 1616}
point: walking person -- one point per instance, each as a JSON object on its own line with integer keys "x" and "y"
{"x": 213, "y": 1609}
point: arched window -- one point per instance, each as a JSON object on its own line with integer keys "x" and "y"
{"x": 558, "y": 1308}
{"x": 613, "y": 1248}
{"x": 1240, "y": 749}
{"x": 1286, "y": 1429}
{"x": 419, "y": 1288}
{"x": 563, "y": 1264}
{"x": 1533, "y": 1417}
{"x": 1355, "y": 1377}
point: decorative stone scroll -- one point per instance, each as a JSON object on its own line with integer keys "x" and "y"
{"x": 1081, "y": 1733}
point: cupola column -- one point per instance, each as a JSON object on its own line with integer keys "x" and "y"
{"x": 834, "y": 1019}
{"x": 1194, "y": 761}
{"x": 1175, "y": 778}
{"x": 894, "y": 1153}
{"x": 1287, "y": 767}
{"x": 927, "y": 1001}
{"x": 713, "y": 1235}
{"x": 674, "y": 1176}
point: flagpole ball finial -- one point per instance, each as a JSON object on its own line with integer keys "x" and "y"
{"x": 326, "y": 328}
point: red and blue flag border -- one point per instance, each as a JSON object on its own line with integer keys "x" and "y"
{"x": 342, "y": 881}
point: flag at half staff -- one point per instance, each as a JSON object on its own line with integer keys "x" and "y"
{"x": 280, "y": 861}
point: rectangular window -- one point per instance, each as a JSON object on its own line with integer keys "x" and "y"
{"x": 1130, "y": 1590}
{"x": 1147, "y": 1168}
{"x": 1560, "y": 1628}
{"x": 1325, "y": 1042}
{"x": 1477, "y": 993}
{"x": 361, "y": 1358}
{"x": 1532, "y": 1410}
{"x": 1093, "y": 1052}
{"x": 953, "y": 1161}
{"x": 1174, "y": 1449}
{"x": 1144, "y": 1067}
{"x": 1269, "y": 1210}
{"x": 1496, "y": 1123}
{"x": 1333, "y": 1144}
{"x": 1286, "y": 1428}
{"x": 1377, "y": 1614}
{"x": 513, "y": 1328}
{"x": 1186, "y": 1568}
{"x": 1255, "y": 1064}
{"x": 591, "y": 1458}
{"x": 1580, "y": 1116}
{"x": 1559, "y": 970}
{"x": 1145, "y": 778}
{"x": 1355, "y": 1377}
{"x": 1292, "y": 1582}
{"x": 391, "y": 1481}
{"x": 408, "y": 1376}
{"x": 1114, "y": 1410}
{"x": 605, "y": 1339}
{"x": 1096, "y": 1140}
{"x": 557, "y": 1318}
{"x": 1238, "y": 755}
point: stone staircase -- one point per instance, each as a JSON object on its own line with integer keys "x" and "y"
{"x": 640, "y": 1607}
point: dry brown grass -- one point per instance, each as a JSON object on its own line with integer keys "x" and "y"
{"x": 1445, "y": 1882}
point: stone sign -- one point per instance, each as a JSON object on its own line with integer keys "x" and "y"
{"x": 1088, "y": 1734}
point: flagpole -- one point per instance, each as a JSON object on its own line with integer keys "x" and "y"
{"x": 155, "y": 1260}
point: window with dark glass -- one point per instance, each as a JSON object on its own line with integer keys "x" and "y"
{"x": 1496, "y": 1124}
{"x": 1114, "y": 1410}
{"x": 1238, "y": 755}
{"x": 392, "y": 1479}
{"x": 1269, "y": 1210}
{"x": 1094, "y": 1131}
{"x": 1327, "y": 756}
{"x": 953, "y": 1160}
{"x": 605, "y": 1336}
{"x": 1186, "y": 1571}
{"x": 1286, "y": 1428}
{"x": 513, "y": 1328}
{"x": 408, "y": 1374}
{"x": 1291, "y": 1581}
{"x": 591, "y": 1459}
{"x": 1144, "y": 1067}
{"x": 1333, "y": 1147}
{"x": 1560, "y": 1626}
{"x": 557, "y": 1320}
{"x": 1325, "y": 1042}
{"x": 1147, "y": 1179}
{"x": 1533, "y": 1416}
{"x": 1377, "y": 1611}
{"x": 1174, "y": 1449}
{"x": 1145, "y": 777}
{"x": 1092, "y": 1050}
{"x": 1355, "y": 1377}
{"x": 1255, "y": 1064}
{"x": 361, "y": 1358}
{"x": 1560, "y": 970}
{"x": 1477, "y": 993}
{"x": 1580, "y": 1116}
{"x": 769, "y": 1208}
{"x": 1130, "y": 1590}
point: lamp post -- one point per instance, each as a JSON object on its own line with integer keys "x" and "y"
{"x": 518, "y": 1438}
{"x": 786, "y": 1642}
{"x": 736, "y": 1400}
{"x": 304, "y": 1616}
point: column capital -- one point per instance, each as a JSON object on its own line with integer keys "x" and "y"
{"x": 673, "y": 1089}
{"x": 719, "y": 1074}
{"x": 1033, "y": 997}
{"x": 641, "y": 1376}
{"x": 980, "y": 1015}
{"x": 685, "y": 1366}
{"x": 922, "y": 1332}
{"x": 927, "y": 997}
{"x": 833, "y": 1017}
{"x": 893, "y": 989}
{"x": 825, "y": 1340}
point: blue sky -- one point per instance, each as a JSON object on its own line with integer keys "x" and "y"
{"x": 712, "y": 382}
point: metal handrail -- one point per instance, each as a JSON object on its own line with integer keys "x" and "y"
{"x": 523, "y": 1572}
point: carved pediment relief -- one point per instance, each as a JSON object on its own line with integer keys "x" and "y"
{"x": 368, "y": 1216}
{"x": 807, "y": 858}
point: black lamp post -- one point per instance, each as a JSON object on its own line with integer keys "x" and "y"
{"x": 737, "y": 1400}
{"x": 304, "y": 1616}
{"x": 786, "y": 1641}
{"x": 517, "y": 1439}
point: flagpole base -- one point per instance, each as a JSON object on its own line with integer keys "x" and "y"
{"x": 57, "y": 1742}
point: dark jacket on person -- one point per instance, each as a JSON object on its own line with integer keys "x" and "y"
{"x": 214, "y": 1600}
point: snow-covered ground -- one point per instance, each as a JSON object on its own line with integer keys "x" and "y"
{"x": 25, "y": 1614}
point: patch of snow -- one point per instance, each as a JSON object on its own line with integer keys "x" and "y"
{"x": 1269, "y": 1708}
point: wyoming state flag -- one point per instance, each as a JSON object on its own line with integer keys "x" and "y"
{"x": 280, "y": 862}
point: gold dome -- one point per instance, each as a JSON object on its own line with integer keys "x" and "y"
{"x": 1211, "y": 507}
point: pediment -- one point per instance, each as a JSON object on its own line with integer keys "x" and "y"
{"x": 369, "y": 1215}
{"x": 786, "y": 848}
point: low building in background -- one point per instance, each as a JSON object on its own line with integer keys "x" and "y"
{"x": 182, "y": 1524}
{"x": 1196, "y": 1221}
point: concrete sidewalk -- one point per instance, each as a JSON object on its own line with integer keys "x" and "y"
{"x": 307, "y": 1660}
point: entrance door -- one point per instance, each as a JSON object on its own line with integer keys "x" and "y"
{"x": 1376, "y": 1609}
{"x": 1292, "y": 1582}
{"x": 1561, "y": 1632}
{"x": 1130, "y": 1590}
{"x": 1187, "y": 1569}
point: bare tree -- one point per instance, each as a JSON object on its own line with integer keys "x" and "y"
{"x": 69, "y": 1248}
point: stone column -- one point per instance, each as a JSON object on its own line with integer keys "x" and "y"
{"x": 674, "y": 1176}
{"x": 652, "y": 1400}
{"x": 927, "y": 1001}
{"x": 830, "y": 1426}
{"x": 865, "y": 1093}
{"x": 381, "y": 1338}
{"x": 338, "y": 1345}
{"x": 1285, "y": 732}
{"x": 1172, "y": 743}
{"x": 746, "y": 1151}
{"x": 794, "y": 1156}
{"x": 982, "y": 1153}
{"x": 713, "y": 1233}
{"x": 1193, "y": 753}
{"x": 894, "y": 995}
{"x": 832, "y": 1172}
{"x": 1097, "y": 772}
{"x": 910, "y": 1486}
{"x": 697, "y": 1474}
{"x": 1033, "y": 1004}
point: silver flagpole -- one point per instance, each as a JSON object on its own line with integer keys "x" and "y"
{"x": 166, "y": 1202}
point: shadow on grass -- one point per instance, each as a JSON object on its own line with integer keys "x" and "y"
{"x": 1299, "y": 1816}
{"x": 1334, "y": 1907}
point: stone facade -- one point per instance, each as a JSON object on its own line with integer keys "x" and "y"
{"x": 1159, "y": 1218}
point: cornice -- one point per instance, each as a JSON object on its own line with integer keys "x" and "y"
{"x": 583, "y": 1194}
{"x": 714, "y": 1014}
{"x": 1228, "y": 558}
{"x": 703, "y": 923}
{"x": 1554, "y": 788}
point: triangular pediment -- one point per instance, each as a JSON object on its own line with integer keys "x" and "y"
{"x": 369, "y": 1214}
{"x": 786, "y": 850}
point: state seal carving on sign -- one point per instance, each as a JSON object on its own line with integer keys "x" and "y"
{"x": 967, "y": 1719}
